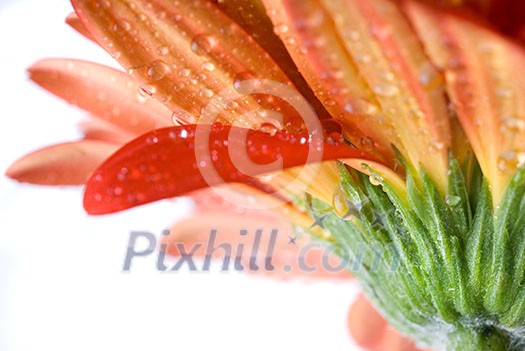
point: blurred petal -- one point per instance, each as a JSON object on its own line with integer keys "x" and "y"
{"x": 62, "y": 164}
{"x": 105, "y": 92}
{"x": 262, "y": 241}
{"x": 366, "y": 325}
{"x": 487, "y": 93}
{"x": 366, "y": 65}
{"x": 372, "y": 332}
{"x": 74, "y": 22}
{"x": 185, "y": 53}
{"x": 173, "y": 161}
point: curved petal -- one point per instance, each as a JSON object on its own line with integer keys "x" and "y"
{"x": 105, "y": 92}
{"x": 488, "y": 96}
{"x": 62, "y": 164}
{"x": 173, "y": 161}
{"x": 186, "y": 53}
{"x": 74, "y": 22}
{"x": 366, "y": 65}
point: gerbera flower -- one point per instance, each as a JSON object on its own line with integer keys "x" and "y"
{"x": 423, "y": 102}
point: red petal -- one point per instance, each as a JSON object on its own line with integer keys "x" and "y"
{"x": 163, "y": 163}
{"x": 61, "y": 164}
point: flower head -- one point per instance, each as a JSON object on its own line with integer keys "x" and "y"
{"x": 409, "y": 118}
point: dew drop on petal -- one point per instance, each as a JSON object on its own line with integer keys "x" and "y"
{"x": 375, "y": 180}
{"x": 452, "y": 200}
{"x": 386, "y": 89}
{"x": 203, "y": 44}
{"x": 157, "y": 70}
{"x": 206, "y": 93}
{"x": 163, "y": 50}
{"x": 180, "y": 115}
{"x": 268, "y": 128}
{"x": 281, "y": 28}
{"x": 507, "y": 161}
{"x": 340, "y": 204}
{"x": 208, "y": 66}
{"x": 147, "y": 90}
{"x": 184, "y": 72}
{"x": 366, "y": 143}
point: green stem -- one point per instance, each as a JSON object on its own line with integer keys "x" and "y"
{"x": 486, "y": 339}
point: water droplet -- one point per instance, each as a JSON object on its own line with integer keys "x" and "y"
{"x": 329, "y": 102}
{"x": 507, "y": 161}
{"x": 184, "y": 72}
{"x": 268, "y": 128}
{"x": 521, "y": 159}
{"x": 157, "y": 70}
{"x": 340, "y": 204}
{"x": 366, "y": 143}
{"x": 207, "y": 93}
{"x": 513, "y": 124}
{"x": 386, "y": 89}
{"x": 360, "y": 107}
{"x": 147, "y": 90}
{"x": 203, "y": 44}
{"x": 240, "y": 78}
{"x": 281, "y": 28}
{"x": 436, "y": 145}
{"x": 163, "y": 50}
{"x": 180, "y": 115}
{"x": 208, "y": 66}
{"x": 121, "y": 26}
{"x": 429, "y": 77}
{"x": 375, "y": 179}
{"x": 452, "y": 200}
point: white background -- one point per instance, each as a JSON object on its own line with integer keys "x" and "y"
{"x": 61, "y": 285}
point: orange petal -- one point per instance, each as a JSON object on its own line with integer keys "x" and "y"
{"x": 102, "y": 91}
{"x": 251, "y": 16}
{"x": 185, "y": 53}
{"x": 74, "y": 22}
{"x": 365, "y": 64}
{"x": 62, "y": 164}
{"x": 262, "y": 241}
{"x": 488, "y": 96}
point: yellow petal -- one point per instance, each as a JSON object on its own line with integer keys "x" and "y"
{"x": 484, "y": 81}
{"x": 366, "y": 65}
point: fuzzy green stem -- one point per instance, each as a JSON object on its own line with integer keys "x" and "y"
{"x": 486, "y": 339}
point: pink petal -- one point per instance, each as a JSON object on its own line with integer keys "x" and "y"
{"x": 369, "y": 329}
